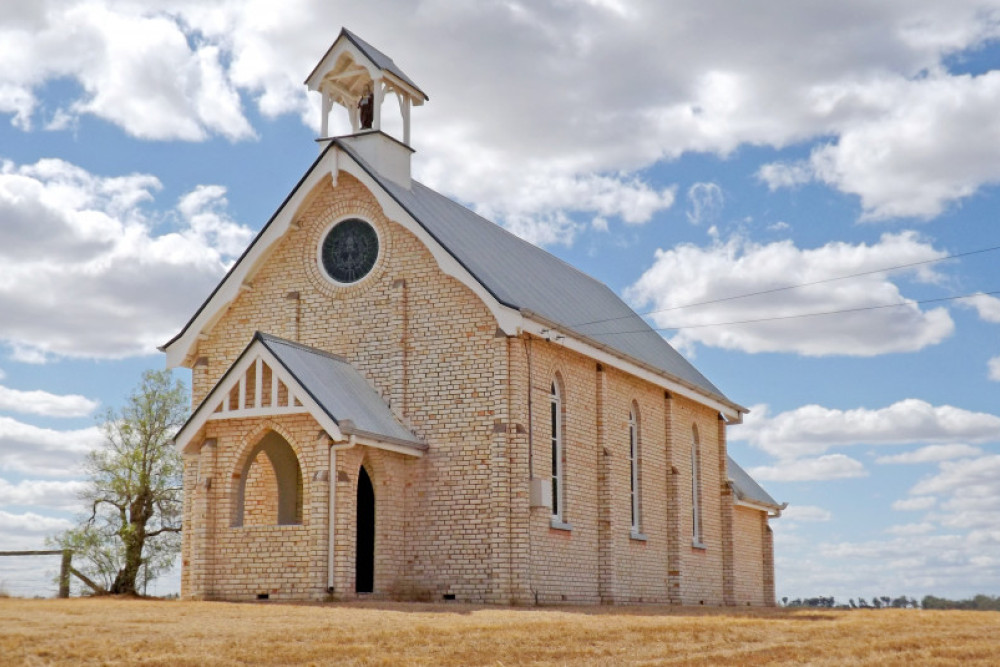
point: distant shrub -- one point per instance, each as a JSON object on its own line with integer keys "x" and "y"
{"x": 978, "y": 603}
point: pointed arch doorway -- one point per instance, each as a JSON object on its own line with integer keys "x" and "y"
{"x": 364, "y": 562}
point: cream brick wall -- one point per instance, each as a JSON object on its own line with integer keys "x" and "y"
{"x": 457, "y": 521}
{"x": 749, "y": 526}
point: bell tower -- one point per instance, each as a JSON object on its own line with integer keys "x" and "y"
{"x": 358, "y": 77}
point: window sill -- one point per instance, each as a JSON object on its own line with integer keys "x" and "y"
{"x": 559, "y": 525}
{"x": 637, "y": 536}
{"x": 695, "y": 544}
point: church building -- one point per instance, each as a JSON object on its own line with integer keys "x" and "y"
{"x": 396, "y": 397}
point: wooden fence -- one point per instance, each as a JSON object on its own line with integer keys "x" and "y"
{"x": 64, "y": 571}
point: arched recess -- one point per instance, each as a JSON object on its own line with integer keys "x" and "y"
{"x": 364, "y": 562}
{"x": 287, "y": 479}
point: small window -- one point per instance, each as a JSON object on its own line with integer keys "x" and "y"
{"x": 555, "y": 415}
{"x": 634, "y": 461}
{"x": 695, "y": 487}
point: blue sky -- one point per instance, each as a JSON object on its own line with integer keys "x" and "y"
{"x": 682, "y": 152}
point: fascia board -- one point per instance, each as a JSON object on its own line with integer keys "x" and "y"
{"x": 232, "y": 377}
{"x": 508, "y": 319}
{"x": 772, "y": 511}
{"x": 338, "y": 48}
{"x": 181, "y": 348}
{"x": 538, "y": 326}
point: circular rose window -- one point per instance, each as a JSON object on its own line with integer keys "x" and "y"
{"x": 349, "y": 251}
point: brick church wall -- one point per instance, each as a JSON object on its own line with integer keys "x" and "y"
{"x": 456, "y": 522}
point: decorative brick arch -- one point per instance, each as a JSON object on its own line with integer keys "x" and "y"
{"x": 273, "y": 442}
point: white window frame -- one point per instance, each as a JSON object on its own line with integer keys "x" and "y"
{"x": 696, "y": 534}
{"x": 634, "y": 461}
{"x": 558, "y": 455}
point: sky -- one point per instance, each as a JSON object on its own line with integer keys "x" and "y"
{"x": 800, "y": 196}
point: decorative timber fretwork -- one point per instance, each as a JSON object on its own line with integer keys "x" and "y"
{"x": 259, "y": 391}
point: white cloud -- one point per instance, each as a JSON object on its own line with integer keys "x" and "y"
{"x": 768, "y": 321}
{"x": 914, "y": 146}
{"x": 994, "y": 369}
{"x": 933, "y": 454}
{"x": 31, "y": 524}
{"x": 827, "y": 467}
{"x": 971, "y": 491}
{"x": 813, "y": 429}
{"x": 44, "y": 452}
{"x": 987, "y": 306}
{"x": 52, "y": 495}
{"x": 136, "y": 66}
{"x": 573, "y": 89}
{"x": 805, "y": 514}
{"x": 86, "y": 246}
{"x": 914, "y": 564}
{"x": 915, "y": 504}
{"x": 705, "y": 202}
{"x": 44, "y": 403}
{"x": 911, "y": 529}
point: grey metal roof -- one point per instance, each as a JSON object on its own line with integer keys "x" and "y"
{"x": 746, "y": 487}
{"x": 527, "y": 278}
{"x": 382, "y": 61}
{"x": 340, "y": 390}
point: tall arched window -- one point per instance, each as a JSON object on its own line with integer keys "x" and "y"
{"x": 555, "y": 414}
{"x": 695, "y": 487}
{"x": 633, "y": 461}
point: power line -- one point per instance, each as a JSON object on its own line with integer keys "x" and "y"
{"x": 797, "y": 286}
{"x": 827, "y": 312}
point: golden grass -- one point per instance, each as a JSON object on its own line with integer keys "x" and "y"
{"x": 148, "y": 632}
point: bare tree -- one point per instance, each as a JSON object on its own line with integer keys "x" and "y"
{"x": 131, "y": 532}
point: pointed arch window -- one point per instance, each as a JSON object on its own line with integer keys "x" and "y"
{"x": 558, "y": 473}
{"x": 634, "y": 461}
{"x": 696, "y": 532}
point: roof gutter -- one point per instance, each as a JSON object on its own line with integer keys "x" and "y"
{"x": 738, "y": 409}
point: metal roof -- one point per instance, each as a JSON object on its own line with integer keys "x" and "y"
{"x": 339, "y": 389}
{"x": 380, "y": 60}
{"x": 746, "y": 487}
{"x": 527, "y": 278}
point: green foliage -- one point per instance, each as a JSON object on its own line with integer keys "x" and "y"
{"x": 131, "y": 532}
{"x": 978, "y": 603}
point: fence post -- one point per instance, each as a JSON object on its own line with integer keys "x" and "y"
{"x": 67, "y": 559}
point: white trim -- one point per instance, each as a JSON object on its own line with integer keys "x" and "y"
{"x": 237, "y": 376}
{"x": 511, "y": 321}
{"x": 558, "y": 454}
{"x": 633, "y": 458}
{"x": 772, "y": 512}
{"x": 181, "y": 351}
{"x": 536, "y": 325}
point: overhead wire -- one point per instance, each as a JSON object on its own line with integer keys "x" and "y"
{"x": 827, "y": 312}
{"x": 796, "y": 286}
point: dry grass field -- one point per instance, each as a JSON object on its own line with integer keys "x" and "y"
{"x": 149, "y": 632}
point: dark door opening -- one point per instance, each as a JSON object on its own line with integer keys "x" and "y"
{"x": 364, "y": 566}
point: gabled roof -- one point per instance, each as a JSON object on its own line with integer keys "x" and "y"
{"x": 525, "y": 277}
{"x": 747, "y": 489}
{"x": 518, "y": 276}
{"x": 315, "y": 382}
{"x": 340, "y": 390}
{"x": 377, "y": 58}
